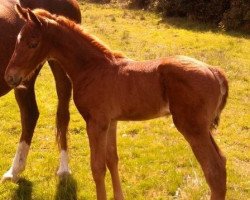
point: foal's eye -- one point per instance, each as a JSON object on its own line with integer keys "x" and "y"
{"x": 33, "y": 44}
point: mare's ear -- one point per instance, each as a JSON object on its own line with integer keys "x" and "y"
{"x": 22, "y": 12}
{"x": 32, "y": 17}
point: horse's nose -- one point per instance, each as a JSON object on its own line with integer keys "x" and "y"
{"x": 13, "y": 80}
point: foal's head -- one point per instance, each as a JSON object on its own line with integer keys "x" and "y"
{"x": 30, "y": 49}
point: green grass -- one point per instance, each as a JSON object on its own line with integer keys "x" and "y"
{"x": 155, "y": 160}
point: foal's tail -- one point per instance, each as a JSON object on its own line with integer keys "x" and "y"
{"x": 222, "y": 80}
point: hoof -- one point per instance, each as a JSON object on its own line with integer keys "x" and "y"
{"x": 8, "y": 176}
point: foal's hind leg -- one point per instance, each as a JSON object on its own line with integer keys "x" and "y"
{"x": 213, "y": 166}
{"x": 26, "y": 100}
{"x": 63, "y": 88}
{"x": 207, "y": 153}
{"x": 112, "y": 161}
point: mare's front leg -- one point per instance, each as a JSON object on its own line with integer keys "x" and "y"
{"x": 112, "y": 161}
{"x": 97, "y": 133}
{"x": 63, "y": 88}
{"x": 26, "y": 100}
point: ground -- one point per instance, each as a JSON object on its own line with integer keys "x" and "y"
{"x": 155, "y": 160}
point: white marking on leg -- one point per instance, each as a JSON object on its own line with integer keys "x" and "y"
{"x": 19, "y": 162}
{"x": 64, "y": 164}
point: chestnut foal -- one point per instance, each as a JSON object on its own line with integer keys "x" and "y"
{"x": 11, "y": 25}
{"x": 109, "y": 87}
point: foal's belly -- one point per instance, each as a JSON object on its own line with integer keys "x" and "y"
{"x": 139, "y": 114}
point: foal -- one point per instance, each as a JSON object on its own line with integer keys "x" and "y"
{"x": 109, "y": 87}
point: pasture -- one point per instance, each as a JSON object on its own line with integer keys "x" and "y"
{"x": 155, "y": 160}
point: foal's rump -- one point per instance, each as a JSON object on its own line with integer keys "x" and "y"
{"x": 194, "y": 90}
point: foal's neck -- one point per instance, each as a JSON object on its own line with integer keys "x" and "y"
{"x": 75, "y": 51}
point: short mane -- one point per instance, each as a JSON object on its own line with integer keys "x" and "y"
{"x": 78, "y": 29}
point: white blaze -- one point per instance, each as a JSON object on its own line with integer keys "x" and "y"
{"x": 19, "y": 37}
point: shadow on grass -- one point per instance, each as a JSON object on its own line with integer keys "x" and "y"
{"x": 24, "y": 190}
{"x": 196, "y": 26}
{"x": 66, "y": 188}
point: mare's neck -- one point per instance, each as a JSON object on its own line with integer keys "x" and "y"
{"x": 74, "y": 52}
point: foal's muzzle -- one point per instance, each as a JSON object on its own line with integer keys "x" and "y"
{"x": 13, "y": 80}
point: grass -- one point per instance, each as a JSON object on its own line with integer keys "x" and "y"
{"x": 155, "y": 160}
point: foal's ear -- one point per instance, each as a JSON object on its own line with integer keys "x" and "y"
{"x": 32, "y": 17}
{"x": 22, "y": 12}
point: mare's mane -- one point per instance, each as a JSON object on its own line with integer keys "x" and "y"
{"x": 63, "y": 21}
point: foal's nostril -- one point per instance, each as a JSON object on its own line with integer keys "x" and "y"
{"x": 13, "y": 81}
{"x": 9, "y": 79}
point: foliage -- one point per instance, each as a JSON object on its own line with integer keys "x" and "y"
{"x": 237, "y": 16}
{"x": 229, "y": 14}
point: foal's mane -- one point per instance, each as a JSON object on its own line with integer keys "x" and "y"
{"x": 63, "y": 21}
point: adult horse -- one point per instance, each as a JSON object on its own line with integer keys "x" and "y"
{"x": 10, "y": 25}
{"x": 109, "y": 87}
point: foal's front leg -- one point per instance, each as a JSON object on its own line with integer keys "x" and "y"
{"x": 97, "y": 133}
{"x": 26, "y": 100}
{"x": 112, "y": 161}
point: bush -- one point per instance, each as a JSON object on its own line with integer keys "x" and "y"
{"x": 200, "y": 10}
{"x": 138, "y": 3}
{"x": 100, "y": 1}
{"x": 229, "y": 14}
{"x": 207, "y": 11}
{"x": 173, "y": 8}
{"x": 237, "y": 16}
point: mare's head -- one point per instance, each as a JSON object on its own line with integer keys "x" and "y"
{"x": 30, "y": 49}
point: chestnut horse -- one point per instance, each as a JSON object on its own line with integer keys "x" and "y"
{"x": 108, "y": 87}
{"x": 10, "y": 26}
